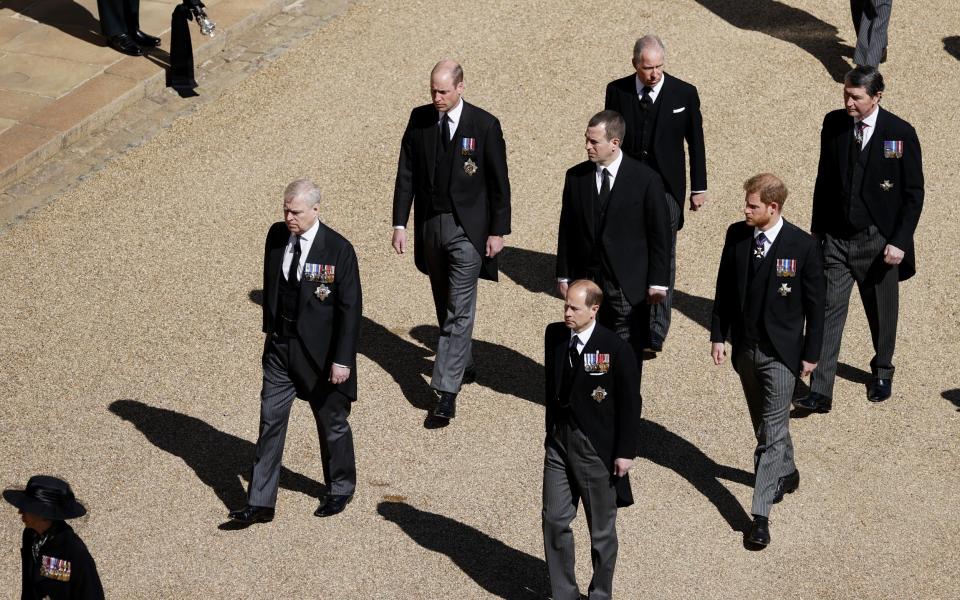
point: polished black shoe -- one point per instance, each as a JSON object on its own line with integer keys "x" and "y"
{"x": 470, "y": 376}
{"x": 879, "y": 390}
{"x": 332, "y": 505}
{"x": 814, "y": 402}
{"x": 125, "y": 45}
{"x": 787, "y": 485}
{"x": 252, "y": 514}
{"x": 145, "y": 40}
{"x": 759, "y": 534}
{"x": 655, "y": 344}
{"x": 446, "y": 406}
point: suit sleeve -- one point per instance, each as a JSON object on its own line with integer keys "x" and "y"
{"x": 658, "y": 234}
{"x": 498, "y": 182}
{"x": 911, "y": 198}
{"x": 563, "y": 235}
{"x": 629, "y": 402}
{"x": 611, "y": 102}
{"x": 822, "y": 195}
{"x": 403, "y": 187}
{"x": 814, "y": 299}
{"x": 695, "y": 146}
{"x": 349, "y": 309}
{"x": 722, "y": 300}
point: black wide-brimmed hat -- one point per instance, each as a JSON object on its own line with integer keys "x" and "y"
{"x": 46, "y": 497}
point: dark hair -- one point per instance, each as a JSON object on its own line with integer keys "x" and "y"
{"x": 868, "y": 78}
{"x": 769, "y": 186}
{"x": 611, "y": 120}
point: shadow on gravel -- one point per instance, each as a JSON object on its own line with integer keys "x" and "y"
{"x": 667, "y": 449}
{"x": 502, "y": 571}
{"x": 532, "y": 270}
{"x": 792, "y": 25}
{"x": 952, "y": 45}
{"x": 219, "y": 459}
{"x": 697, "y": 309}
{"x": 952, "y": 396}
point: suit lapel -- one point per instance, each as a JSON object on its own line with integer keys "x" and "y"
{"x": 464, "y": 129}
{"x": 875, "y": 148}
{"x": 658, "y": 106}
{"x": 314, "y": 256}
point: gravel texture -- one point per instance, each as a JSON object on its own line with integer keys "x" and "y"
{"x": 131, "y": 342}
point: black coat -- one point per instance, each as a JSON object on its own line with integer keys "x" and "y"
{"x": 636, "y": 232}
{"x": 481, "y": 202}
{"x": 785, "y": 313}
{"x": 610, "y": 424}
{"x": 678, "y": 118}
{"x": 894, "y": 210}
{"x": 64, "y": 570}
{"x": 327, "y": 328}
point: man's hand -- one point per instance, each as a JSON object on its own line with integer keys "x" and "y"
{"x": 400, "y": 240}
{"x": 655, "y": 296}
{"x": 697, "y": 201}
{"x": 562, "y": 288}
{"x": 718, "y": 350}
{"x": 494, "y": 245}
{"x": 806, "y": 368}
{"x": 339, "y": 374}
{"x": 621, "y": 466}
{"x": 892, "y": 255}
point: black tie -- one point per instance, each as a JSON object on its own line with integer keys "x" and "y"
{"x": 856, "y": 144}
{"x": 445, "y": 132}
{"x": 572, "y": 351}
{"x": 294, "y": 263}
{"x": 645, "y": 100}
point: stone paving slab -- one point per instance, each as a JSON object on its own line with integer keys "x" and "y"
{"x": 59, "y": 80}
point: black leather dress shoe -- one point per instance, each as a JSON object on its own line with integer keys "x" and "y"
{"x": 252, "y": 514}
{"x": 332, "y": 505}
{"x": 655, "y": 344}
{"x": 759, "y": 534}
{"x": 814, "y": 402}
{"x": 879, "y": 390}
{"x": 124, "y": 44}
{"x": 446, "y": 406}
{"x": 787, "y": 485}
{"x": 145, "y": 40}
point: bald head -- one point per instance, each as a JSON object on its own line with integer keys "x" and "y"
{"x": 448, "y": 68}
{"x": 446, "y": 85}
{"x": 581, "y": 304}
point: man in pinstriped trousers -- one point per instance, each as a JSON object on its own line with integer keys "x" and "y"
{"x": 769, "y": 286}
{"x": 870, "y": 20}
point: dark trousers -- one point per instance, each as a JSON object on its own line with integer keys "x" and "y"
{"x": 768, "y": 386}
{"x": 454, "y": 266}
{"x": 660, "y": 313}
{"x": 330, "y": 411}
{"x": 870, "y": 20}
{"x": 631, "y": 323}
{"x": 572, "y": 471}
{"x": 845, "y": 262}
{"x": 118, "y": 16}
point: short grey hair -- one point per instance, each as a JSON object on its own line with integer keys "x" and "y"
{"x": 302, "y": 188}
{"x": 646, "y": 42}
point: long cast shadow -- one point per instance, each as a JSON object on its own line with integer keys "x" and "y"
{"x": 951, "y": 45}
{"x": 65, "y": 15}
{"x": 532, "y": 270}
{"x": 697, "y": 309}
{"x": 952, "y": 396}
{"x": 784, "y": 22}
{"x": 219, "y": 459}
{"x": 667, "y": 449}
{"x": 502, "y": 571}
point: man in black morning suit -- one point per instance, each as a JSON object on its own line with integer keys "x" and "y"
{"x": 311, "y": 315}
{"x": 661, "y": 113}
{"x": 592, "y": 418}
{"x": 614, "y": 231}
{"x": 866, "y": 206}
{"x": 770, "y": 285}
{"x": 453, "y": 172}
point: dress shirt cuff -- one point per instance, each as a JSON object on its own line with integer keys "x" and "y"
{"x": 698, "y": 192}
{"x": 662, "y": 288}
{"x": 399, "y": 226}
{"x": 341, "y": 366}
{"x": 563, "y": 280}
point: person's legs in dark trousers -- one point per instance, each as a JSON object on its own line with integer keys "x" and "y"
{"x": 840, "y": 281}
{"x": 879, "y": 288}
{"x": 118, "y": 17}
{"x": 331, "y": 410}
{"x": 660, "y": 313}
{"x": 560, "y": 500}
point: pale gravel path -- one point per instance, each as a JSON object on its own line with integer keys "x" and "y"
{"x": 135, "y": 286}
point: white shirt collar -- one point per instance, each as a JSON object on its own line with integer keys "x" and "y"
{"x": 613, "y": 168}
{"x": 771, "y": 233}
{"x": 308, "y": 235}
{"x": 453, "y": 114}
{"x": 871, "y": 120}
{"x": 654, "y": 91}
{"x": 584, "y": 335}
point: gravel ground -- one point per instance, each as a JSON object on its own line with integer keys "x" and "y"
{"x": 130, "y": 355}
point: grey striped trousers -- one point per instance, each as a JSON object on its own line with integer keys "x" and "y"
{"x": 870, "y": 20}
{"x": 768, "y": 385}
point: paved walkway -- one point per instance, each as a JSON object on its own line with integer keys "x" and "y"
{"x": 59, "y": 80}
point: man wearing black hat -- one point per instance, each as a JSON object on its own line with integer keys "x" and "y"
{"x": 56, "y": 563}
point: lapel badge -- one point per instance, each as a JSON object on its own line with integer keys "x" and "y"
{"x": 470, "y": 167}
{"x": 599, "y": 394}
{"x": 321, "y": 292}
{"x": 327, "y": 273}
{"x": 886, "y": 185}
{"x": 786, "y": 267}
{"x": 784, "y": 290}
{"x": 468, "y": 146}
{"x": 893, "y": 148}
